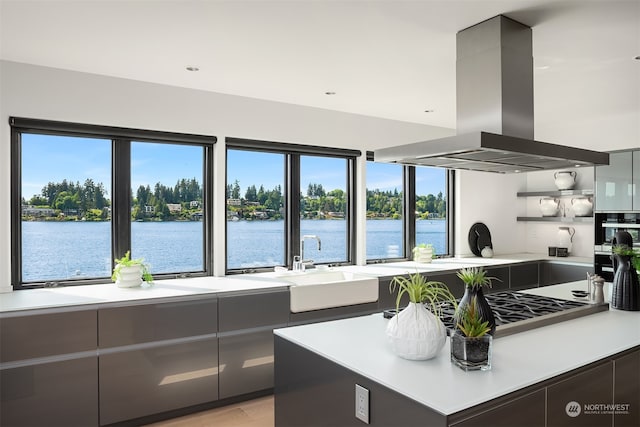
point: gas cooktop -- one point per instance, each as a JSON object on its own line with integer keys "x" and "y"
{"x": 518, "y": 311}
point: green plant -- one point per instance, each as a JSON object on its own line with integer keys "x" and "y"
{"x": 126, "y": 261}
{"x": 469, "y": 321}
{"x": 624, "y": 250}
{"x": 421, "y": 290}
{"x": 424, "y": 246}
{"x": 475, "y": 277}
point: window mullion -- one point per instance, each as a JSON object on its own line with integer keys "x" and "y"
{"x": 409, "y": 214}
{"x": 121, "y": 198}
{"x": 292, "y": 200}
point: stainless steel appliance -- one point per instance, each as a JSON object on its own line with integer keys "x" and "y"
{"x": 607, "y": 224}
{"x": 516, "y": 311}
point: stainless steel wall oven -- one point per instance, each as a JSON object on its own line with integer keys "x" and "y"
{"x": 606, "y": 226}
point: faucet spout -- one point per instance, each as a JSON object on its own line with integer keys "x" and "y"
{"x": 308, "y": 236}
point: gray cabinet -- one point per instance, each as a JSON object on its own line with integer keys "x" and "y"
{"x": 567, "y": 400}
{"x": 49, "y": 369}
{"x": 157, "y": 357}
{"x": 553, "y": 273}
{"x": 246, "y": 339}
{"x": 135, "y": 324}
{"x": 63, "y": 393}
{"x": 155, "y": 379}
{"x": 524, "y": 276}
{"x": 614, "y": 191}
{"x": 525, "y": 411}
{"x": 627, "y": 389}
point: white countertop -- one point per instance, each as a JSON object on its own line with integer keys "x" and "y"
{"x": 77, "y": 296}
{"x": 519, "y": 360}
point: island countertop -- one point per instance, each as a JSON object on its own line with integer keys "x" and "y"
{"x": 71, "y": 297}
{"x": 519, "y": 360}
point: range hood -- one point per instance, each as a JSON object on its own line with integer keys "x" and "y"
{"x": 494, "y": 95}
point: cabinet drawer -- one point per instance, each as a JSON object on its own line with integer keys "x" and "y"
{"x": 246, "y": 363}
{"x": 53, "y": 394}
{"x": 253, "y": 310}
{"x": 153, "y": 380}
{"x": 155, "y": 322}
{"x": 41, "y": 335}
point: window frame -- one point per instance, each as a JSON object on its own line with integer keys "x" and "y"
{"x": 409, "y": 214}
{"x": 291, "y": 193}
{"x": 121, "y": 191}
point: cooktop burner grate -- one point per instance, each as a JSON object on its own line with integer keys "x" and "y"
{"x": 517, "y": 311}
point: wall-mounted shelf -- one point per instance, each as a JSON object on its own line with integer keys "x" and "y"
{"x": 583, "y": 219}
{"x": 557, "y": 193}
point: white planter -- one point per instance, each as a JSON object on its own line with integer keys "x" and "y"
{"x": 129, "y": 277}
{"x": 424, "y": 255}
{"x": 415, "y": 333}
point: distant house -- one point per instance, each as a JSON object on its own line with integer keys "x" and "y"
{"x": 234, "y": 202}
{"x": 194, "y": 204}
{"x": 149, "y": 209}
{"x": 174, "y": 207}
{"x": 260, "y": 215}
{"x": 31, "y": 210}
{"x": 335, "y": 214}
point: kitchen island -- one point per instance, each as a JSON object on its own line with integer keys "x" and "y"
{"x": 538, "y": 376}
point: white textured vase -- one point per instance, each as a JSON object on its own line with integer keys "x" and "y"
{"x": 415, "y": 333}
{"x": 129, "y": 277}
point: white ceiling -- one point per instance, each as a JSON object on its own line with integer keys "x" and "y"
{"x": 392, "y": 59}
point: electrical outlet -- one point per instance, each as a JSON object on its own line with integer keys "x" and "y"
{"x": 362, "y": 404}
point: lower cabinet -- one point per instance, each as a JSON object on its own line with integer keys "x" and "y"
{"x": 568, "y": 400}
{"x": 246, "y": 363}
{"x": 627, "y": 390}
{"x": 552, "y": 273}
{"x": 157, "y": 378}
{"x": 63, "y": 393}
{"x": 526, "y": 411}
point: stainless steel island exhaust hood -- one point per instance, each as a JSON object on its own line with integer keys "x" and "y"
{"x": 494, "y": 90}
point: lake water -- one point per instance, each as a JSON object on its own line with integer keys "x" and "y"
{"x": 61, "y": 250}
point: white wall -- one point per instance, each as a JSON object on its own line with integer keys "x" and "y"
{"x": 53, "y": 94}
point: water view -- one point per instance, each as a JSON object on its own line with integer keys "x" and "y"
{"x": 177, "y": 246}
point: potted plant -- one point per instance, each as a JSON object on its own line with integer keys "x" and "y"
{"x": 416, "y": 332}
{"x": 471, "y": 341}
{"x": 423, "y": 252}
{"x": 625, "y": 294}
{"x": 475, "y": 279}
{"x": 129, "y": 273}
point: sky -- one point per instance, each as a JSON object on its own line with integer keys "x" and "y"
{"x": 47, "y": 158}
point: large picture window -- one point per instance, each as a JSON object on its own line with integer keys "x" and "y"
{"x": 283, "y": 199}
{"x": 83, "y": 195}
{"x": 407, "y": 206}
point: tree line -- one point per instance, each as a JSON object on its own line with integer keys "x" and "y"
{"x": 183, "y": 201}
{"x": 90, "y": 201}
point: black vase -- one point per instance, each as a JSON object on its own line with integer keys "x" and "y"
{"x": 626, "y": 289}
{"x": 482, "y": 305}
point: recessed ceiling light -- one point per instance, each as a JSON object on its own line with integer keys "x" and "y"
{"x": 329, "y": 93}
{"x": 637, "y": 58}
{"x": 429, "y": 111}
{"x": 193, "y": 69}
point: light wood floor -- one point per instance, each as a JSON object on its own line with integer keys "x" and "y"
{"x": 252, "y": 413}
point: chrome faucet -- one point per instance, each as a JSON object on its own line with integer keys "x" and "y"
{"x": 308, "y": 236}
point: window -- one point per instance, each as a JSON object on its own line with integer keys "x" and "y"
{"x": 65, "y": 208}
{"x": 280, "y": 194}
{"x": 255, "y": 209}
{"x": 385, "y": 225}
{"x": 167, "y": 206}
{"x": 83, "y": 195}
{"x": 396, "y": 224}
{"x": 431, "y": 208}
